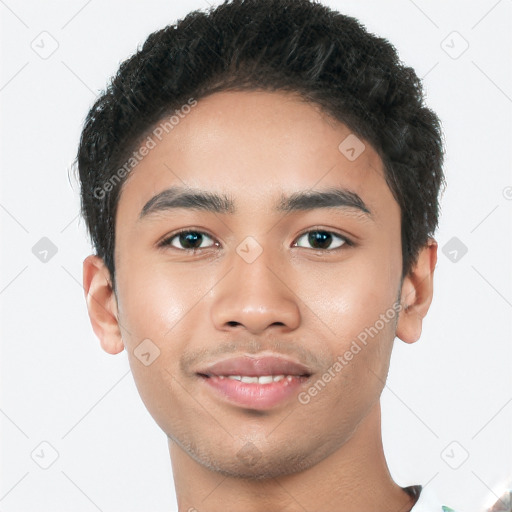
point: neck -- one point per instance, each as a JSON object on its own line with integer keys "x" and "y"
{"x": 352, "y": 479}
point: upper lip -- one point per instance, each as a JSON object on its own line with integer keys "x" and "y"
{"x": 255, "y": 367}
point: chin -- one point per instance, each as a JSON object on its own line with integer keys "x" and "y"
{"x": 251, "y": 464}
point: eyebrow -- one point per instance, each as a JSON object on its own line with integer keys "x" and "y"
{"x": 196, "y": 199}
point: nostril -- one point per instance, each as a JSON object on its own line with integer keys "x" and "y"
{"x": 233, "y": 323}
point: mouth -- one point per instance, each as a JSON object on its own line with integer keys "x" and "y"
{"x": 255, "y": 383}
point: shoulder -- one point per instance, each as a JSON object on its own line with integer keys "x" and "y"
{"x": 427, "y": 500}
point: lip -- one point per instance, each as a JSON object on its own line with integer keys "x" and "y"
{"x": 255, "y": 395}
{"x": 256, "y": 367}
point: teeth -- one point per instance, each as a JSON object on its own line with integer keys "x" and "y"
{"x": 264, "y": 379}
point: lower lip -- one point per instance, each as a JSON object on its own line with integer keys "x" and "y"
{"x": 255, "y": 396}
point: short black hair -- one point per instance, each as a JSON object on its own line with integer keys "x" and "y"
{"x": 297, "y": 46}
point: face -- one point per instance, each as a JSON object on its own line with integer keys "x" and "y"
{"x": 251, "y": 277}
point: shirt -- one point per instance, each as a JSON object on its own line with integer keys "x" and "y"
{"x": 427, "y": 501}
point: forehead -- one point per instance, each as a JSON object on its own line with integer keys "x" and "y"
{"x": 257, "y": 146}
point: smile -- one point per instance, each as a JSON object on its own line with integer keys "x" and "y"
{"x": 255, "y": 392}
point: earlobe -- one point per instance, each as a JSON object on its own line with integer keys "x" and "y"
{"x": 416, "y": 294}
{"x": 101, "y": 304}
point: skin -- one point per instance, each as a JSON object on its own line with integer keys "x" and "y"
{"x": 296, "y": 299}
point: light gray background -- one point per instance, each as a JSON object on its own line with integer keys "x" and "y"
{"x": 448, "y": 397}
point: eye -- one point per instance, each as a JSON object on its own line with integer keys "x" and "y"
{"x": 320, "y": 239}
{"x": 191, "y": 240}
{"x": 187, "y": 240}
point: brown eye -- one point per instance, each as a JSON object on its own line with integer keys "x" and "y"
{"x": 319, "y": 239}
{"x": 187, "y": 240}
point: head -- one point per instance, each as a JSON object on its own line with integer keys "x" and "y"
{"x": 290, "y": 124}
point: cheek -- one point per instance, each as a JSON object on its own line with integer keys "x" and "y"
{"x": 152, "y": 302}
{"x": 356, "y": 304}
{"x": 155, "y": 314}
{"x": 167, "y": 306}
{"x": 350, "y": 297}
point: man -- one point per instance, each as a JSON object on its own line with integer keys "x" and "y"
{"x": 261, "y": 184}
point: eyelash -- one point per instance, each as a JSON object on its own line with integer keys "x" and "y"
{"x": 167, "y": 241}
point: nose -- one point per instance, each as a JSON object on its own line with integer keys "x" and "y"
{"x": 255, "y": 296}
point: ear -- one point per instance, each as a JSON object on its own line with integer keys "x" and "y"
{"x": 416, "y": 294}
{"x": 102, "y": 304}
